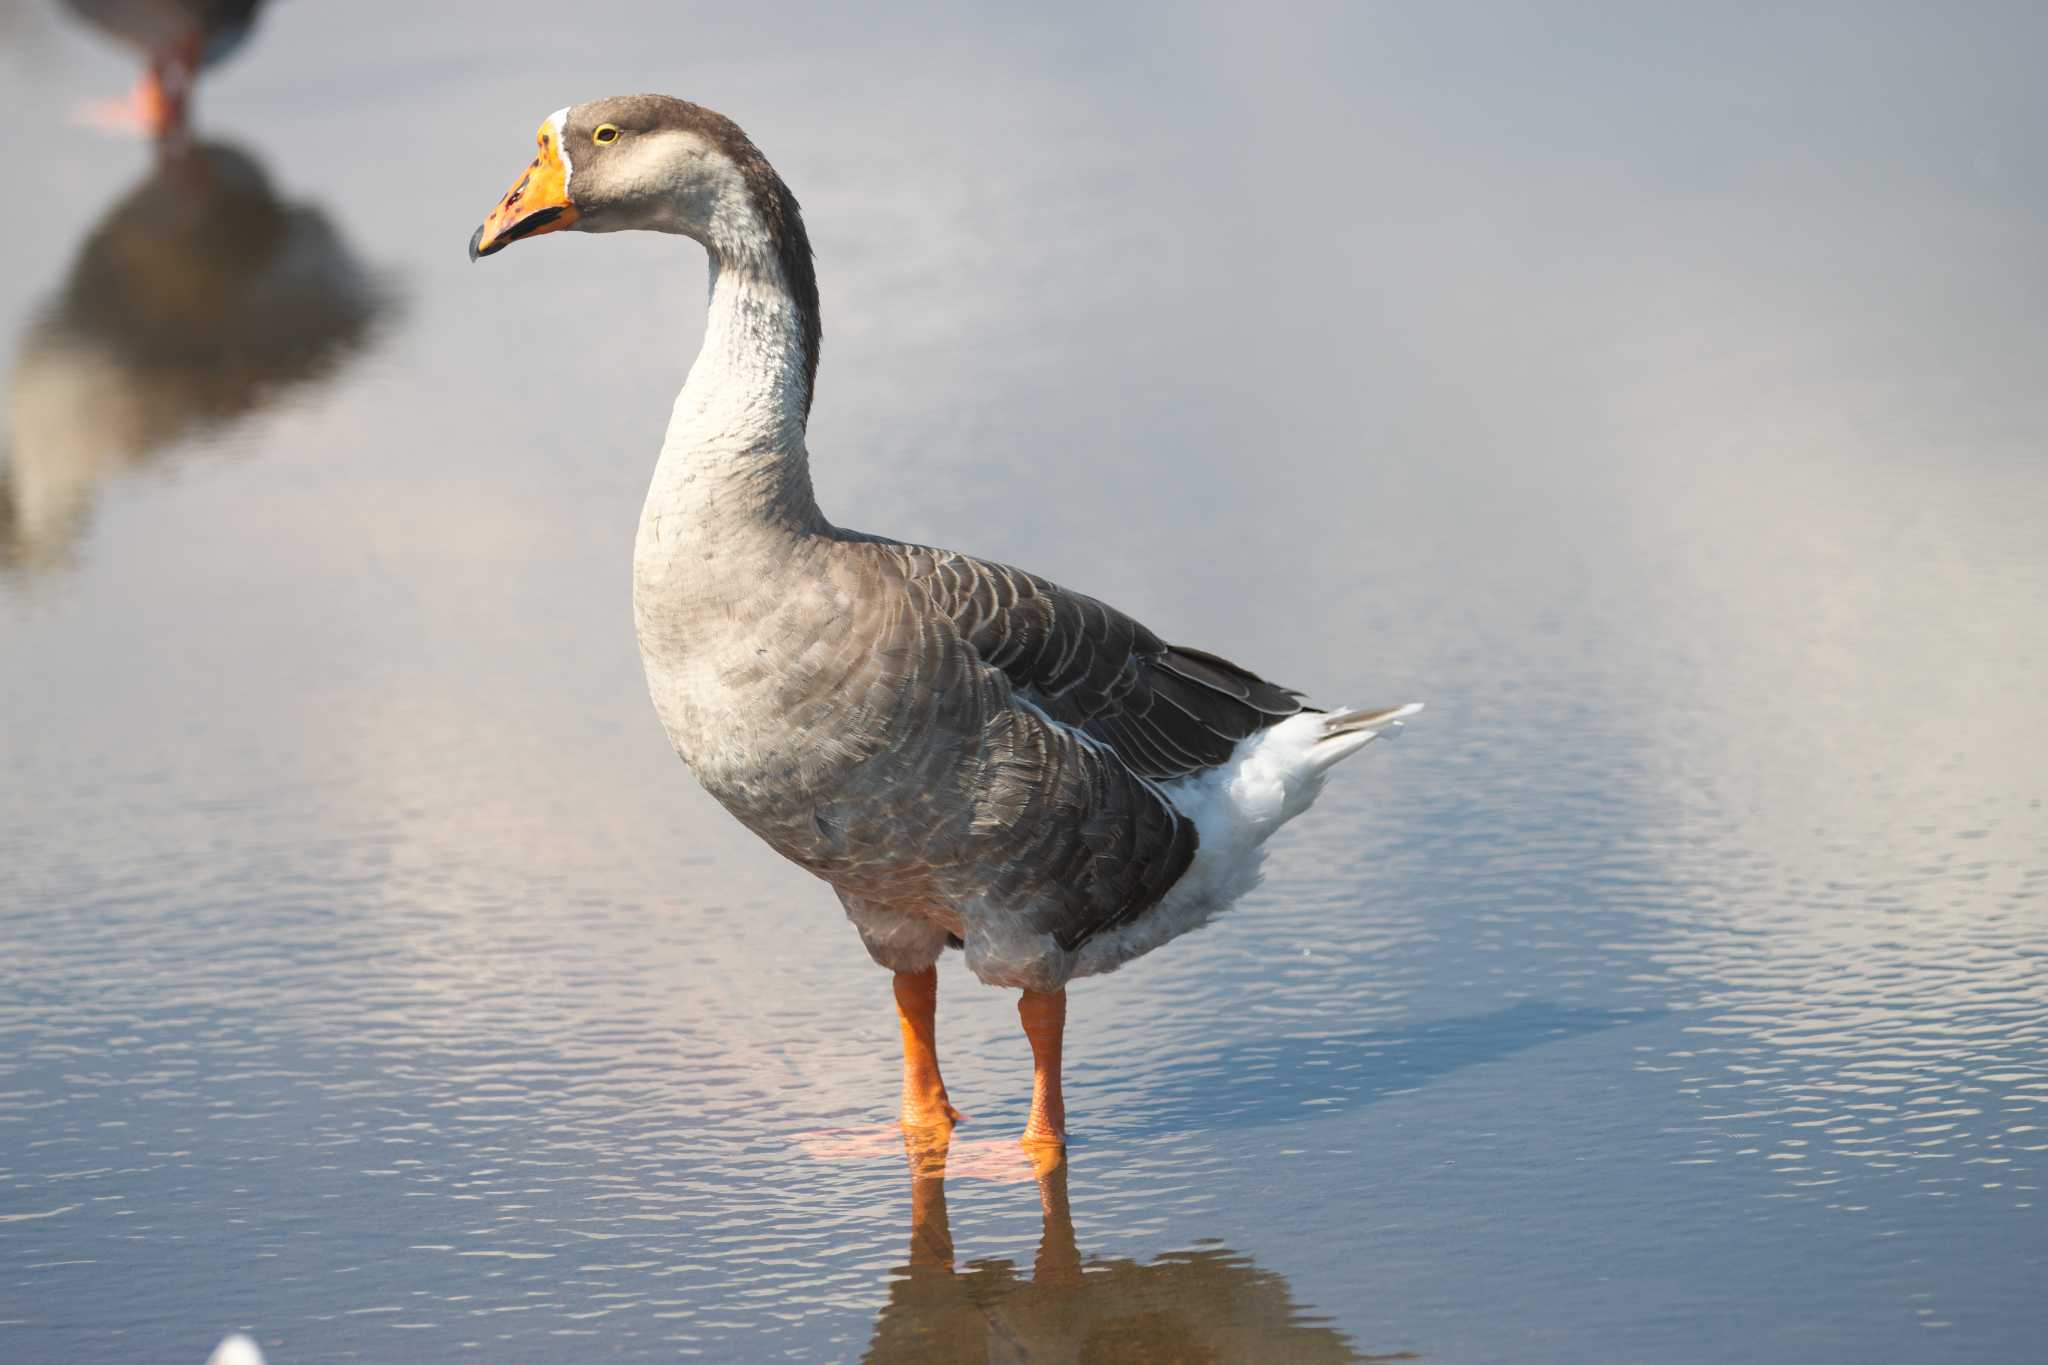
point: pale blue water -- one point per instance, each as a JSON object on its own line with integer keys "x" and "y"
{"x": 1656, "y": 395}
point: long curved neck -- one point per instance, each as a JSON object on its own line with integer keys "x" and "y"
{"x": 735, "y": 444}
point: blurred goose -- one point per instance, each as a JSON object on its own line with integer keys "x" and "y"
{"x": 969, "y": 754}
{"x": 174, "y": 38}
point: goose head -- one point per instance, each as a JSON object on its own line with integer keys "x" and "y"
{"x": 647, "y": 162}
{"x": 660, "y": 164}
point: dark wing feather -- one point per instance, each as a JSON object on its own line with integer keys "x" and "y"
{"x": 1165, "y": 710}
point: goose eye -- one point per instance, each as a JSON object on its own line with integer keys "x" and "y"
{"x": 606, "y": 132}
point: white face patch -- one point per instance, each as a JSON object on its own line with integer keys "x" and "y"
{"x": 556, "y": 120}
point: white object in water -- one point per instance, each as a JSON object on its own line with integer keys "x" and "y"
{"x": 236, "y": 1349}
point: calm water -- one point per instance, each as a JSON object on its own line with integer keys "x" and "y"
{"x": 1658, "y": 396}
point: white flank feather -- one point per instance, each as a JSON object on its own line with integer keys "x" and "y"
{"x": 1273, "y": 776}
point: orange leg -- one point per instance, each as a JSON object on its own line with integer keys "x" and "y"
{"x": 1045, "y": 1023}
{"x": 156, "y": 107}
{"x": 173, "y": 72}
{"x": 160, "y": 100}
{"x": 924, "y": 1092}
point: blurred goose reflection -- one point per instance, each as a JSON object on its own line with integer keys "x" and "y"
{"x": 1208, "y": 1304}
{"x": 200, "y": 297}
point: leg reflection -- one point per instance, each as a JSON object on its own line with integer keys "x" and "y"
{"x": 1058, "y": 1264}
{"x": 1206, "y": 1303}
{"x": 931, "y": 1231}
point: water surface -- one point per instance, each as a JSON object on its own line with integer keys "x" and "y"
{"x": 1659, "y": 400}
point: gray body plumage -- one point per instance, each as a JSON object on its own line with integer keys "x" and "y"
{"x": 942, "y": 739}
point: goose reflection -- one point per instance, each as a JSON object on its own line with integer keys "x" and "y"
{"x": 1208, "y": 1304}
{"x": 200, "y": 297}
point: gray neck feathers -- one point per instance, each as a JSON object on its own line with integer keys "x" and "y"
{"x": 735, "y": 444}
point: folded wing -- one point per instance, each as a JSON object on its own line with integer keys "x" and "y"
{"x": 1166, "y": 711}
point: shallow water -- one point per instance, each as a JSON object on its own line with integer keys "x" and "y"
{"x": 1660, "y": 402}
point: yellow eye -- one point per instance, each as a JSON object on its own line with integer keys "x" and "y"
{"x": 606, "y": 132}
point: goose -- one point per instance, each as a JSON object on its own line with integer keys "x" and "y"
{"x": 970, "y": 755}
{"x": 175, "y": 38}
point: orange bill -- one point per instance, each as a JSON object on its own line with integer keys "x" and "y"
{"x": 537, "y": 203}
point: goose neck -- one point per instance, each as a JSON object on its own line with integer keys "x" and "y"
{"x": 735, "y": 442}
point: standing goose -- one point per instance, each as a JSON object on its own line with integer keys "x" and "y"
{"x": 969, "y": 754}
